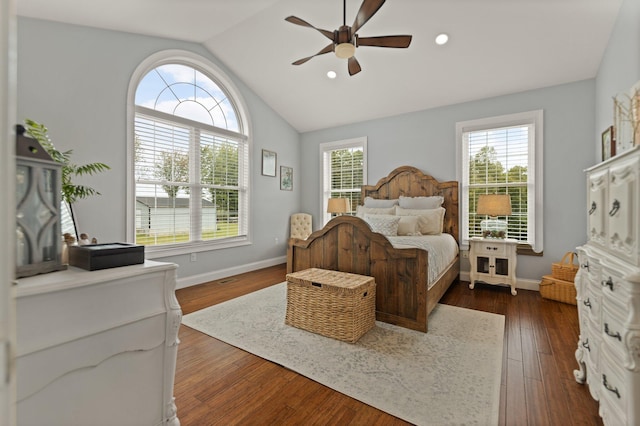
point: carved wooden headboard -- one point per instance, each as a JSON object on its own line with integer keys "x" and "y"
{"x": 411, "y": 182}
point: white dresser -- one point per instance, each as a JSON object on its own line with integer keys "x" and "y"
{"x": 98, "y": 348}
{"x": 608, "y": 290}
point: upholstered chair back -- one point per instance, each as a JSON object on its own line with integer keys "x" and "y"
{"x": 301, "y": 225}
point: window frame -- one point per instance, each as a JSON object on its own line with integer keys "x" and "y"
{"x": 326, "y": 148}
{"x": 224, "y": 82}
{"x": 535, "y": 169}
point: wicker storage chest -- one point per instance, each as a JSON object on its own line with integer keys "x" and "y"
{"x": 560, "y": 290}
{"x": 331, "y": 303}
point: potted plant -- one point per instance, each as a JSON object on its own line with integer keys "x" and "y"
{"x": 71, "y": 192}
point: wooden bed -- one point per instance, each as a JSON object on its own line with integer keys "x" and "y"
{"x": 347, "y": 244}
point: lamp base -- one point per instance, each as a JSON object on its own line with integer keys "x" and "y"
{"x": 493, "y": 228}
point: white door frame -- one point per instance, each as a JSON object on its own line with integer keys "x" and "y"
{"x": 8, "y": 87}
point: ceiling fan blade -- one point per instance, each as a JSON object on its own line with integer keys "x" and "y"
{"x": 327, "y": 49}
{"x": 367, "y": 10}
{"x": 354, "y": 66}
{"x": 298, "y": 21}
{"x": 400, "y": 41}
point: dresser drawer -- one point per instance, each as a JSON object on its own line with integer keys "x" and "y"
{"x": 590, "y": 342}
{"x": 591, "y": 305}
{"x": 614, "y": 394}
{"x": 613, "y": 332}
{"x": 614, "y": 287}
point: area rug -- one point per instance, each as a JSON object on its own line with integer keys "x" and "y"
{"x": 448, "y": 376}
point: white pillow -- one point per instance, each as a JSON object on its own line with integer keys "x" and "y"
{"x": 376, "y": 203}
{"x": 384, "y": 224}
{"x": 432, "y": 202}
{"x": 430, "y": 221}
{"x": 361, "y": 211}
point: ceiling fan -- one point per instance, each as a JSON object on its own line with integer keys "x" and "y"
{"x": 344, "y": 40}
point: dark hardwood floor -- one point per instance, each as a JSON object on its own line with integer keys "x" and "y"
{"x": 217, "y": 384}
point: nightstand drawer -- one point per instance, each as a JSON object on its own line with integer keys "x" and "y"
{"x": 491, "y": 249}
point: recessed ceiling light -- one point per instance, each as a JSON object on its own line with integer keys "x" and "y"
{"x": 442, "y": 39}
{"x": 331, "y": 74}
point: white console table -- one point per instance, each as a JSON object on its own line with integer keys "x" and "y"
{"x": 98, "y": 348}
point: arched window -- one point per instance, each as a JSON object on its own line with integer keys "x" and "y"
{"x": 190, "y": 155}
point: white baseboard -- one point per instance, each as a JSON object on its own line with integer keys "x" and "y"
{"x": 523, "y": 283}
{"x": 227, "y": 272}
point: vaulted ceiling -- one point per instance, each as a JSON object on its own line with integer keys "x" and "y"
{"x": 495, "y": 47}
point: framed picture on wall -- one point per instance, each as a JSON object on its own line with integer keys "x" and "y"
{"x": 269, "y": 160}
{"x": 608, "y": 143}
{"x": 286, "y": 178}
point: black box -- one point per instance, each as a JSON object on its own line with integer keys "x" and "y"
{"x": 102, "y": 256}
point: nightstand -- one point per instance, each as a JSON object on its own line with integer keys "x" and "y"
{"x": 493, "y": 261}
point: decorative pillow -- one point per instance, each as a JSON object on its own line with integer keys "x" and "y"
{"x": 409, "y": 225}
{"x": 376, "y": 203}
{"x": 361, "y": 211}
{"x": 432, "y": 202}
{"x": 385, "y": 224}
{"x": 430, "y": 221}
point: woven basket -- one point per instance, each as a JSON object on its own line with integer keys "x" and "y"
{"x": 331, "y": 303}
{"x": 566, "y": 269}
{"x": 560, "y": 290}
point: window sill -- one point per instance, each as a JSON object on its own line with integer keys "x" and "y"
{"x": 156, "y": 252}
{"x": 527, "y": 250}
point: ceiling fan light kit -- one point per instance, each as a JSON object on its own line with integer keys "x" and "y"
{"x": 345, "y": 50}
{"x": 344, "y": 40}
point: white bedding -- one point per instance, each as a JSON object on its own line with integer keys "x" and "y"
{"x": 442, "y": 249}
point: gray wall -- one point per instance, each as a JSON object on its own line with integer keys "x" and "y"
{"x": 620, "y": 67}
{"x": 426, "y": 140}
{"x": 74, "y": 80}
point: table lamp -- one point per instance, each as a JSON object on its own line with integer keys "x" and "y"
{"x": 338, "y": 205}
{"x": 494, "y": 205}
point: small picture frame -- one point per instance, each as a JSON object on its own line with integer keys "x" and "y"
{"x": 286, "y": 178}
{"x": 269, "y": 161}
{"x": 608, "y": 143}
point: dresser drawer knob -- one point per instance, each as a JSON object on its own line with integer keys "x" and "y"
{"x": 608, "y": 283}
{"x": 585, "y": 265}
{"x": 615, "y": 207}
{"x": 585, "y": 345}
{"x": 615, "y": 335}
{"x": 587, "y": 303}
{"x": 609, "y": 387}
{"x": 593, "y": 208}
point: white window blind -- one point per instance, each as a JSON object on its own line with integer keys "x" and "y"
{"x": 502, "y": 156}
{"x": 190, "y": 162}
{"x": 343, "y": 172}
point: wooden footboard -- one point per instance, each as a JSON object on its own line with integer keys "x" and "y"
{"x": 347, "y": 244}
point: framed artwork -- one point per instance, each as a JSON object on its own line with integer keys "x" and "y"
{"x": 608, "y": 143}
{"x": 269, "y": 160}
{"x": 286, "y": 178}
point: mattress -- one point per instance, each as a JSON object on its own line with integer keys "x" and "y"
{"x": 442, "y": 250}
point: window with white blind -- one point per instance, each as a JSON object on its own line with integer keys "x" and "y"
{"x": 190, "y": 159}
{"x": 503, "y": 155}
{"x": 343, "y": 171}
